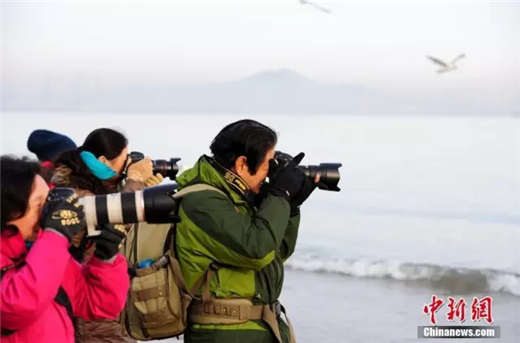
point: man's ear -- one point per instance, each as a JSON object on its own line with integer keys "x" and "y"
{"x": 241, "y": 167}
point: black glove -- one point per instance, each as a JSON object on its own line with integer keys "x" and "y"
{"x": 63, "y": 213}
{"x": 108, "y": 241}
{"x": 307, "y": 188}
{"x": 288, "y": 181}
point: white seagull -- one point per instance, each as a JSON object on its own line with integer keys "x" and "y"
{"x": 305, "y": 2}
{"x": 446, "y": 67}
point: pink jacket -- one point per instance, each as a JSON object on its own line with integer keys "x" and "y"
{"x": 96, "y": 290}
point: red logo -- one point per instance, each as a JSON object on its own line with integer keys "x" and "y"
{"x": 457, "y": 310}
{"x": 480, "y": 309}
{"x": 433, "y": 307}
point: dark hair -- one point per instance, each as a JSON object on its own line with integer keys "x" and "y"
{"x": 100, "y": 142}
{"x": 105, "y": 142}
{"x": 246, "y": 138}
{"x": 16, "y": 183}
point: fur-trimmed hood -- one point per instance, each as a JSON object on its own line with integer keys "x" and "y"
{"x": 84, "y": 185}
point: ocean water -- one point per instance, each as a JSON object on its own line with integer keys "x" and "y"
{"x": 428, "y": 205}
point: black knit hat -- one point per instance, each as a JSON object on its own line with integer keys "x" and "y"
{"x": 47, "y": 145}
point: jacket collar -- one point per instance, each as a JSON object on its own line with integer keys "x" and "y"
{"x": 210, "y": 172}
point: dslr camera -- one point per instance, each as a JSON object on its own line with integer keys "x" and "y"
{"x": 328, "y": 172}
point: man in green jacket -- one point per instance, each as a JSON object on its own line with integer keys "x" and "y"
{"x": 234, "y": 237}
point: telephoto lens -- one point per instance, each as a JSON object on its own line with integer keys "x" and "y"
{"x": 154, "y": 205}
{"x": 164, "y": 167}
{"x": 328, "y": 172}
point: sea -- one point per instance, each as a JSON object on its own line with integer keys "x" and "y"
{"x": 428, "y": 206}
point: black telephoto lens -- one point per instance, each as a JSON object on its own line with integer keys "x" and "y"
{"x": 328, "y": 173}
{"x": 166, "y": 168}
{"x": 163, "y": 167}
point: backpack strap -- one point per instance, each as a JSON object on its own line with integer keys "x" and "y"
{"x": 61, "y": 298}
{"x": 170, "y": 237}
{"x": 7, "y": 332}
{"x": 5, "y": 269}
{"x": 204, "y": 280}
{"x": 77, "y": 252}
{"x": 196, "y": 188}
{"x": 178, "y": 196}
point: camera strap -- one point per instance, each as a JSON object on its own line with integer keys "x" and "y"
{"x": 233, "y": 180}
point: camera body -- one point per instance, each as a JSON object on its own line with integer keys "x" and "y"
{"x": 328, "y": 172}
{"x": 165, "y": 168}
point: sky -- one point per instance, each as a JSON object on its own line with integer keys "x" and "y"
{"x": 378, "y": 44}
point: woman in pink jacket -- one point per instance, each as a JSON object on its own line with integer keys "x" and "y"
{"x": 42, "y": 287}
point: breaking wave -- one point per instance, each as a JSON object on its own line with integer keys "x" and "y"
{"x": 454, "y": 280}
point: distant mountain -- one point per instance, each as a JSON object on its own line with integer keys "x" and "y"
{"x": 276, "y": 77}
{"x": 282, "y": 91}
{"x": 270, "y": 92}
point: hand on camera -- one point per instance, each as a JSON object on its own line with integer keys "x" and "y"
{"x": 288, "y": 181}
{"x": 141, "y": 170}
{"x": 154, "y": 180}
{"x": 306, "y": 190}
{"x": 108, "y": 241}
{"x": 64, "y": 216}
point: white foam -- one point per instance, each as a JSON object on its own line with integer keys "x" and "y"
{"x": 452, "y": 278}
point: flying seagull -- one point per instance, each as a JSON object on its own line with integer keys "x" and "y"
{"x": 446, "y": 67}
{"x": 305, "y": 2}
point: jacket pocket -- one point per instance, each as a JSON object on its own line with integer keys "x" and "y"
{"x": 157, "y": 297}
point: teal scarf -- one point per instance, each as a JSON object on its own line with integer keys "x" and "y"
{"x": 99, "y": 169}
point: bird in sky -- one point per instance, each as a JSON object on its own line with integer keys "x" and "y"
{"x": 446, "y": 67}
{"x": 305, "y": 2}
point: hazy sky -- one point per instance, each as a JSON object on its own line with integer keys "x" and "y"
{"x": 375, "y": 43}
